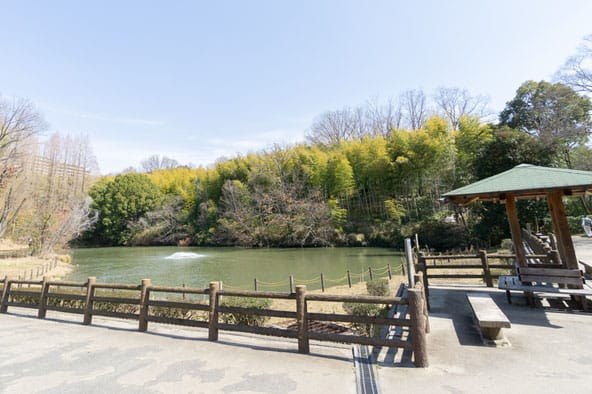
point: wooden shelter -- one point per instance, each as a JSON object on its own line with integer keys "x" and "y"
{"x": 528, "y": 181}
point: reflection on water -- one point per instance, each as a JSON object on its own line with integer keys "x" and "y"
{"x": 235, "y": 267}
{"x": 184, "y": 255}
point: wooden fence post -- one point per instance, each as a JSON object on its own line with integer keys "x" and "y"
{"x": 417, "y": 328}
{"x": 213, "y": 312}
{"x": 90, "y": 293}
{"x": 144, "y": 297}
{"x": 291, "y": 284}
{"x": 323, "y": 282}
{"x": 256, "y": 285}
{"x": 426, "y": 305}
{"x": 420, "y": 278}
{"x": 486, "y": 270}
{"x": 349, "y": 278}
{"x": 370, "y": 273}
{"x": 388, "y": 266}
{"x": 43, "y": 298}
{"x": 302, "y": 319}
{"x": 5, "y": 295}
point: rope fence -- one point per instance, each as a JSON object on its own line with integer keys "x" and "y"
{"x": 349, "y": 279}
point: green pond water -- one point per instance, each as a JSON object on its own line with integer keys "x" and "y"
{"x": 235, "y": 267}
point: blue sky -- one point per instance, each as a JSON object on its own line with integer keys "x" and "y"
{"x": 196, "y": 81}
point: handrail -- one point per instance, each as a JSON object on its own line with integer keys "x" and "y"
{"x": 90, "y": 304}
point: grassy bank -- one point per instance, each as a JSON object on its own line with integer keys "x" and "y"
{"x": 32, "y": 267}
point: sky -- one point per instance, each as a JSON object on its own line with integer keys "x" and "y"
{"x": 200, "y": 80}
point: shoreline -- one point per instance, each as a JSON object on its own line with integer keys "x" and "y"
{"x": 35, "y": 268}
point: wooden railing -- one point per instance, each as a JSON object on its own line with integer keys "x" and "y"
{"x": 538, "y": 243}
{"x": 432, "y": 266}
{"x": 143, "y": 299}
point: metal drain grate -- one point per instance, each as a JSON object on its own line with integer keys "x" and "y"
{"x": 366, "y": 381}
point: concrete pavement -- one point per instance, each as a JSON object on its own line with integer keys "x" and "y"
{"x": 549, "y": 352}
{"x": 111, "y": 356}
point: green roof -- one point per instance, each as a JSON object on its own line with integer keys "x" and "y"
{"x": 524, "y": 181}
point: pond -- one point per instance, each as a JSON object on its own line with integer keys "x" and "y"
{"x": 235, "y": 267}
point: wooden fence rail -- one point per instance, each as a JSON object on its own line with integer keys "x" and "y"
{"x": 143, "y": 300}
{"x": 431, "y": 266}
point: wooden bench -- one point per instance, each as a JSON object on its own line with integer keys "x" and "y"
{"x": 543, "y": 280}
{"x": 488, "y": 316}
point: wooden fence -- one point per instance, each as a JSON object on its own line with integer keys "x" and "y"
{"x": 143, "y": 300}
{"x": 38, "y": 271}
{"x": 432, "y": 266}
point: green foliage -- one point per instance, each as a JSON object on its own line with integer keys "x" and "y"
{"x": 248, "y": 319}
{"x": 442, "y": 236}
{"x": 357, "y": 190}
{"x": 121, "y": 202}
{"x": 554, "y": 113}
{"x": 358, "y": 309}
{"x": 507, "y": 149}
{"x": 378, "y": 287}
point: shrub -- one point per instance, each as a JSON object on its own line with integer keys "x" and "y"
{"x": 442, "y": 236}
{"x": 357, "y": 309}
{"x": 245, "y": 318}
{"x": 378, "y": 287}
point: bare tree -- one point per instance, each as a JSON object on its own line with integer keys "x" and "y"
{"x": 454, "y": 103}
{"x": 414, "y": 107}
{"x": 383, "y": 118}
{"x": 333, "y": 127}
{"x": 155, "y": 162}
{"x": 577, "y": 70}
{"x": 19, "y": 123}
{"x": 54, "y": 206}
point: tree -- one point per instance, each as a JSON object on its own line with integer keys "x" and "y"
{"x": 155, "y": 162}
{"x": 554, "y": 113}
{"x": 469, "y": 140}
{"x": 415, "y": 108}
{"x": 454, "y": 103}
{"x": 54, "y": 206}
{"x": 19, "y": 123}
{"x": 577, "y": 70}
{"x": 505, "y": 150}
{"x": 121, "y": 202}
{"x": 333, "y": 127}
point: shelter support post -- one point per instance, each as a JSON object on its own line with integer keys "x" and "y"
{"x": 561, "y": 229}
{"x": 515, "y": 230}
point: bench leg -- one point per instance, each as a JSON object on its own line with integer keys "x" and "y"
{"x": 509, "y": 297}
{"x": 529, "y": 299}
{"x": 492, "y": 333}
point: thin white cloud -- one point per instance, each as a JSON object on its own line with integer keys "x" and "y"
{"x": 201, "y": 151}
{"x": 105, "y": 117}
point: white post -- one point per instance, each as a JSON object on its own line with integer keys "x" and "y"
{"x": 410, "y": 265}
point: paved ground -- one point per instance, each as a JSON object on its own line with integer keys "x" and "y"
{"x": 583, "y": 246}
{"x": 549, "y": 352}
{"x": 49, "y": 356}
